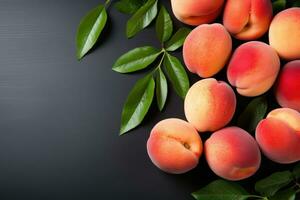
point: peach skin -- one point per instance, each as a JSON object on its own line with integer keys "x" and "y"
{"x": 196, "y": 12}
{"x": 247, "y": 19}
{"x": 284, "y": 34}
{"x": 209, "y": 104}
{"x": 174, "y": 146}
{"x": 232, "y": 153}
{"x": 253, "y": 68}
{"x": 207, "y": 49}
{"x": 288, "y": 85}
{"x": 279, "y": 135}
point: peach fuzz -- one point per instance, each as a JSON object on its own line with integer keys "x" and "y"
{"x": 207, "y": 49}
{"x": 209, "y": 104}
{"x": 253, "y": 68}
{"x": 174, "y": 146}
{"x": 247, "y": 19}
{"x": 284, "y": 34}
{"x": 196, "y": 12}
{"x": 279, "y": 135}
{"x": 288, "y": 84}
{"x": 232, "y": 153}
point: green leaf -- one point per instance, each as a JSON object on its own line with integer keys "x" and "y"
{"x": 137, "y": 104}
{"x": 164, "y": 25}
{"x": 161, "y": 88}
{"x": 142, "y": 18}
{"x": 254, "y": 112}
{"x": 136, "y": 59}
{"x": 177, "y": 39}
{"x": 90, "y": 29}
{"x": 270, "y": 185}
{"x": 288, "y": 194}
{"x": 296, "y": 3}
{"x": 278, "y": 5}
{"x": 129, "y": 6}
{"x": 221, "y": 190}
{"x": 296, "y": 171}
{"x": 176, "y": 74}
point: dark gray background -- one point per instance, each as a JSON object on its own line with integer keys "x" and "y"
{"x": 59, "y": 118}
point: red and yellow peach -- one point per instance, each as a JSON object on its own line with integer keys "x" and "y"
{"x": 284, "y": 34}
{"x": 288, "y": 85}
{"x": 207, "y": 49}
{"x": 247, "y": 19}
{"x": 174, "y": 146}
{"x": 209, "y": 104}
{"x": 196, "y": 12}
{"x": 253, "y": 68}
{"x": 279, "y": 135}
{"x": 232, "y": 153}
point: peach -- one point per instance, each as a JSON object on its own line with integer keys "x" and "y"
{"x": 174, "y": 146}
{"x": 288, "y": 84}
{"x": 253, "y": 68}
{"x": 207, "y": 49}
{"x": 196, "y": 12}
{"x": 279, "y": 135}
{"x": 209, "y": 104}
{"x": 284, "y": 34}
{"x": 247, "y": 19}
{"x": 232, "y": 153}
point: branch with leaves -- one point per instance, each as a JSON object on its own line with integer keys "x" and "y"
{"x": 155, "y": 83}
{"x": 140, "y": 98}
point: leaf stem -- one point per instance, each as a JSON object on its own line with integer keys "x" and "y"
{"x": 161, "y": 60}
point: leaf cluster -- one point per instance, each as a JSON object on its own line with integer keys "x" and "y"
{"x": 278, "y": 186}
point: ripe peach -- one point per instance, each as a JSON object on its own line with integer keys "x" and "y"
{"x": 209, "y": 104}
{"x": 253, "y": 68}
{"x": 284, "y": 34}
{"x": 196, "y": 12}
{"x": 247, "y": 19}
{"x": 288, "y": 84}
{"x": 207, "y": 49}
{"x": 279, "y": 135}
{"x": 174, "y": 146}
{"x": 232, "y": 153}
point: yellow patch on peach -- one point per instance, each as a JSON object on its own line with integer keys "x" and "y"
{"x": 209, "y": 104}
{"x": 284, "y": 33}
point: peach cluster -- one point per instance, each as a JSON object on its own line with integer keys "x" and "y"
{"x": 253, "y": 68}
